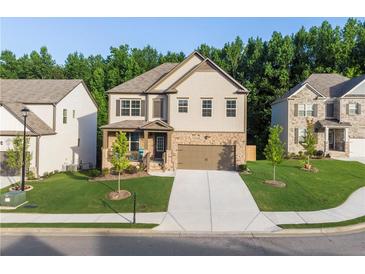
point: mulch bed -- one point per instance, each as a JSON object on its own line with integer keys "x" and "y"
{"x": 121, "y": 195}
{"x": 17, "y": 188}
{"x": 313, "y": 169}
{"x": 113, "y": 177}
{"x": 278, "y": 184}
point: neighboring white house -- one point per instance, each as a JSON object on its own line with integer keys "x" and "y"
{"x": 61, "y": 123}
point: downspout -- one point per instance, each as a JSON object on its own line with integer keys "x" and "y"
{"x": 37, "y": 155}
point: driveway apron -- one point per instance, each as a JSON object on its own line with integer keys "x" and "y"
{"x": 204, "y": 200}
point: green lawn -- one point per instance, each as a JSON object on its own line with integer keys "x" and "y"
{"x": 76, "y": 225}
{"x": 324, "y": 225}
{"x": 305, "y": 191}
{"x": 72, "y": 193}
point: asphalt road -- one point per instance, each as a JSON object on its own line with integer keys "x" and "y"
{"x": 352, "y": 244}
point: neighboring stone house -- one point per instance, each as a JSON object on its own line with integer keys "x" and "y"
{"x": 335, "y": 104}
{"x": 61, "y": 123}
{"x": 190, "y": 115}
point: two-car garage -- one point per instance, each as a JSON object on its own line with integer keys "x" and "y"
{"x": 206, "y": 157}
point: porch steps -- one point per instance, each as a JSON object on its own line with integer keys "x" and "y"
{"x": 155, "y": 166}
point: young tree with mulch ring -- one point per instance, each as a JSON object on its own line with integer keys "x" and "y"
{"x": 309, "y": 143}
{"x": 274, "y": 150}
{"x": 119, "y": 158}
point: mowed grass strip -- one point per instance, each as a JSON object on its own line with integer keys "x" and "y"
{"x": 305, "y": 191}
{"x": 73, "y": 193}
{"x": 324, "y": 225}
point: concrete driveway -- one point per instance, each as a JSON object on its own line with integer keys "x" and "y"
{"x": 212, "y": 201}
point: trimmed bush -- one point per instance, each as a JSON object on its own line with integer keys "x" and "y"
{"x": 131, "y": 169}
{"x": 105, "y": 171}
{"x": 93, "y": 172}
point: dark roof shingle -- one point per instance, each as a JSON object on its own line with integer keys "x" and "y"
{"x": 34, "y": 123}
{"x": 35, "y": 90}
{"x": 142, "y": 82}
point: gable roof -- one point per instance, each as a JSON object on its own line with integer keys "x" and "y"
{"x": 321, "y": 82}
{"x": 179, "y": 65}
{"x": 34, "y": 123}
{"x": 157, "y": 125}
{"x": 35, "y": 90}
{"x": 216, "y": 67}
{"x": 142, "y": 82}
{"x": 145, "y": 82}
{"x": 344, "y": 88}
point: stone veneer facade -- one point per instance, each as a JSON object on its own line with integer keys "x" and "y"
{"x": 206, "y": 138}
{"x": 304, "y": 97}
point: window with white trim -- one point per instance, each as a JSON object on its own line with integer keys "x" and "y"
{"x": 352, "y": 109}
{"x": 130, "y": 107}
{"x": 231, "y": 108}
{"x": 305, "y": 110}
{"x": 133, "y": 141}
{"x": 183, "y": 105}
{"x": 302, "y": 132}
{"x": 64, "y": 118}
{"x": 206, "y": 107}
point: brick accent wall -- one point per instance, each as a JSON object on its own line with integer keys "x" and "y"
{"x": 209, "y": 138}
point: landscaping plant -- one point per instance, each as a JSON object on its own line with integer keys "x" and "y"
{"x": 274, "y": 150}
{"x": 14, "y": 156}
{"x": 119, "y": 158}
{"x": 309, "y": 143}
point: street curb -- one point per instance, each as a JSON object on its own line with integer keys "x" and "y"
{"x": 300, "y": 232}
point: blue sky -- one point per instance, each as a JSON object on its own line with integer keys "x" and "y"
{"x": 95, "y": 35}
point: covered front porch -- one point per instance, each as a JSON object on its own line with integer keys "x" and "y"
{"x": 336, "y": 140}
{"x": 149, "y": 143}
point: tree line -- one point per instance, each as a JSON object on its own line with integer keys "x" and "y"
{"x": 267, "y": 68}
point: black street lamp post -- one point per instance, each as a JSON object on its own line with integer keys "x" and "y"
{"x": 25, "y": 111}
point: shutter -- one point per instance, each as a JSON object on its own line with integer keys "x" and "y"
{"x": 161, "y": 107}
{"x": 296, "y": 138}
{"x": 117, "y": 108}
{"x": 347, "y": 109}
{"x": 156, "y": 108}
{"x": 295, "y": 109}
{"x": 358, "y": 109}
{"x": 315, "y": 110}
{"x": 143, "y": 108}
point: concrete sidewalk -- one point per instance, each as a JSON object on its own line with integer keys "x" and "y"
{"x": 352, "y": 208}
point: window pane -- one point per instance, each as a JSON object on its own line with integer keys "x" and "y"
{"x": 231, "y": 103}
{"x": 330, "y": 110}
{"x": 183, "y": 105}
{"x": 207, "y": 112}
{"x": 134, "y": 146}
{"x": 207, "y": 103}
{"x": 136, "y": 104}
{"x": 136, "y": 112}
{"x": 352, "y": 108}
{"x": 231, "y": 113}
{"x": 125, "y": 112}
{"x": 125, "y": 103}
{"x": 134, "y": 136}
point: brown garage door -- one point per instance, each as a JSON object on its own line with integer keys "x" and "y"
{"x": 206, "y": 157}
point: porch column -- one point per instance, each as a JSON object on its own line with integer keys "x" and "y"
{"x": 145, "y": 137}
{"x": 346, "y": 134}
{"x": 105, "y": 138}
{"x": 168, "y": 140}
{"x": 326, "y": 140}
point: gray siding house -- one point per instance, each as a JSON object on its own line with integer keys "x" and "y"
{"x": 335, "y": 104}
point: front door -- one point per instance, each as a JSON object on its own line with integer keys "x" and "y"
{"x": 160, "y": 144}
{"x": 331, "y": 139}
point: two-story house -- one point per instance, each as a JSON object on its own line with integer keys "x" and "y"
{"x": 334, "y": 103}
{"x": 61, "y": 124}
{"x": 190, "y": 115}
